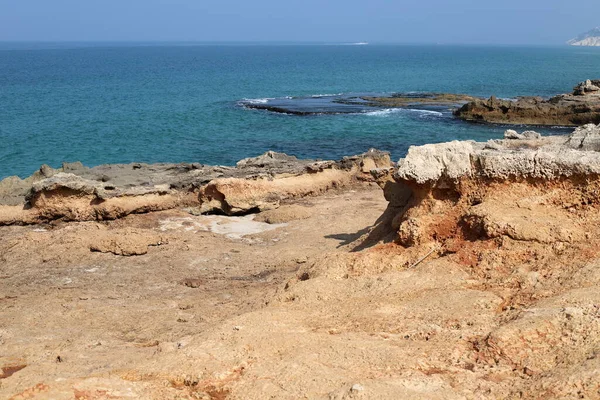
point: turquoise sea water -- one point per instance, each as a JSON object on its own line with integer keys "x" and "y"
{"x": 167, "y": 103}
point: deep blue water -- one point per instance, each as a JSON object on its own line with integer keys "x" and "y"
{"x": 118, "y": 104}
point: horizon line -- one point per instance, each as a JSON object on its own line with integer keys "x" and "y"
{"x": 266, "y": 42}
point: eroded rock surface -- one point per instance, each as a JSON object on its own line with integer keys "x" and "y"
{"x": 529, "y": 156}
{"x": 479, "y": 281}
{"x": 78, "y": 193}
{"x": 125, "y": 242}
{"x": 520, "y": 216}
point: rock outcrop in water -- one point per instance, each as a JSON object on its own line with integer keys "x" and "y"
{"x": 578, "y": 108}
{"x": 406, "y": 100}
{"x": 355, "y": 104}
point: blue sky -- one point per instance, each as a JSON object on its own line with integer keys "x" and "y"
{"x": 400, "y": 21}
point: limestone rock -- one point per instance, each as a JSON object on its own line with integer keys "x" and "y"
{"x": 47, "y": 171}
{"x": 269, "y": 159}
{"x": 78, "y": 193}
{"x": 371, "y": 160}
{"x": 525, "y": 224}
{"x": 562, "y": 329}
{"x": 512, "y": 134}
{"x": 586, "y": 87}
{"x": 13, "y": 190}
{"x": 531, "y": 135}
{"x": 531, "y": 156}
{"x": 127, "y": 242}
{"x": 66, "y": 182}
{"x": 284, "y": 214}
{"x": 76, "y": 166}
{"x": 432, "y": 162}
{"x": 234, "y": 196}
{"x": 289, "y": 179}
{"x": 585, "y": 138}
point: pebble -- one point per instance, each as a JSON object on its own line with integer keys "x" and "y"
{"x": 357, "y": 388}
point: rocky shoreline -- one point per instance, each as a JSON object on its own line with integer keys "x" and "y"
{"x": 78, "y": 193}
{"x": 574, "y": 109}
{"x": 466, "y": 270}
{"x": 75, "y": 192}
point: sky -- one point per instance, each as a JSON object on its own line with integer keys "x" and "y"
{"x": 324, "y": 21}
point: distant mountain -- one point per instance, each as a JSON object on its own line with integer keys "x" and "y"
{"x": 590, "y": 38}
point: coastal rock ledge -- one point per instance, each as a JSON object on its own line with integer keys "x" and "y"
{"x": 519, "y": 156}
{"x": 77, "y": 193}
{"x": 459, "y": 184}
{"x": 580, "y": 107}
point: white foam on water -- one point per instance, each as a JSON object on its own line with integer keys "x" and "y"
{"x": 325, "y": 95}
{"x": 383, "y": 113}
{"x": 388, "y": 111}
{"x": 425, "y": 112}
{"x": 258, "y": 101}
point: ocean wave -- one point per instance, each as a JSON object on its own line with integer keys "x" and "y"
{"x": 257, "y": 101}
{"x": 389, "y": 111}
{"x": 425, "y": 112}
{"x": 384, "y": 112}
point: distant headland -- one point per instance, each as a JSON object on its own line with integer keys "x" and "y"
{"x": 589, "y": 38}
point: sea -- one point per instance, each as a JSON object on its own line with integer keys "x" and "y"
{"x": 188, "y": 102}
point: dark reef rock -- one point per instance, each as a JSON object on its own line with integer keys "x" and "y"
{"x": 356, "y": 103}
